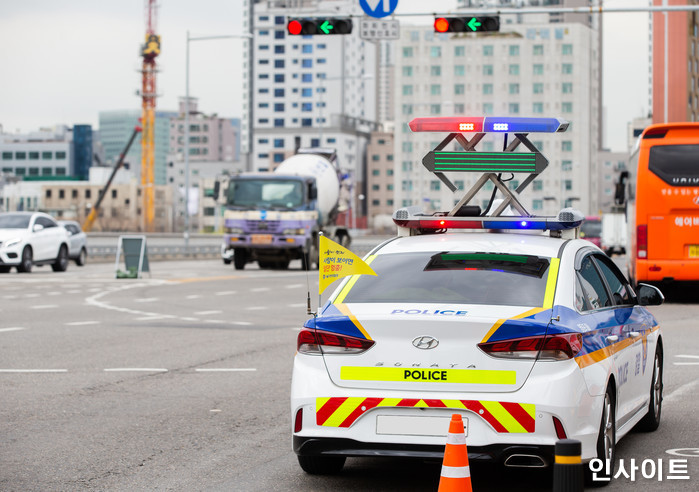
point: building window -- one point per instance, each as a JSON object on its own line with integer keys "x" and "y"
{"x": 306, "y": 121}
{"x": 7, "y": 156}
{"x": 307, "y": 63}
{"x": 278, "y": 143}
{"x": 488, "y": 50}
{"x": 407, "y": 146}
{"x": 262, "y": 61}
{"x": 48, "y": 193}
{"x": 538, "y": 69}
{"x": 435, "y": 108}
{"x": 514, "y": 50}
{"x": 278, "y": 63}
{"x": 567, "y": 87}
{"x": 278, "y": 34}
{"x": 279, "y": 19}
{"x": 434, "y": 185}
{"x": 538, "y": 49}
{"x": 538, "y": 185}
{"x": 459, "y": 50}
{"x": 537, "y": 108}
{"x": 306, "y": 107}
{"x": 60, "y": 155}
{"x": 459, "y": 89}
{"x": 375, "y": 172}
{"x": 407, "y": 90}
{"x": 375, "y": 187}
{"x": 567, "y": 107}
{"x": 568, "y": 184}
{"x": 279, "y": 122}
{"x": 567, "y": 146}
{"x": 538, "y": 88}
{"x": 567, "y": 68}
{"x": 407, "y": 71}
{"x": 436, "y": 89}
{"x": 20, "y": 156}
{"x": 278, "y": 92}
{"x": 306, "y": 77}
{"x": 487, "y": 70}
{"x": 407, "y": 109}
{"x": 459, "y": 70}
{"x": 407, "y": 52}
{"x": 279, "y": 77}
{"x": 513, "y": 69}
{"x": 61, "y": 194}
{"x": 88, "y": 193}
{"x": 435, "y": 70}
{"x": 306, "y": 92}
{"x": 435, "y": 52}
{"x": 74, "y": 194}
{"x": 279, "y": 49}
{"x": 514, "y": 88}
{"x": 33, "y": 156}
{"x": 537, "y": 204}
{"x": 46, "y": 171}
{"x": 307, "y": 48}
{"x": 278, "y": 157}
{"x": 567, "y": 49}
{"x": 567, "y": 165}
{"x": 487, "y": 89}
{"x": 487, "y": 108}
{"x": 278, "y": 107}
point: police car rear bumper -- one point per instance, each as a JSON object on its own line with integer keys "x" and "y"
{"x": 495, "y": 453}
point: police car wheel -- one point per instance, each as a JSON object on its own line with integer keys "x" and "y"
{"x": 606, "y": 443}
{"x": 651, "y": 421}
{"x": 321, "y": 465}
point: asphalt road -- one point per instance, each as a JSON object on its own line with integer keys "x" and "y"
{"x": 181, "y": 381}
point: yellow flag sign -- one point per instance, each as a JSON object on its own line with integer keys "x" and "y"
{"x": 337, "y": 262}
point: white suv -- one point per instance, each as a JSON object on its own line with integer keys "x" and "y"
{"x": 32, "y": 238}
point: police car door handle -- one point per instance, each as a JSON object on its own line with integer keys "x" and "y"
{"x": 634, "y": 334}
{"x": 612, "y": 338}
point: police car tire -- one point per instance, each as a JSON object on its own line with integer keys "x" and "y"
{"x": 322, "y": 465}
{"x": 601, "y": 452}
{"x": 651, "y": 421}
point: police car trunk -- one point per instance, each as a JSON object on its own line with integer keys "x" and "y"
{"x": 461, "y": 313}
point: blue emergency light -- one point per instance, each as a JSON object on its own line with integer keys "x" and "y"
{"x": 489, "y": 124}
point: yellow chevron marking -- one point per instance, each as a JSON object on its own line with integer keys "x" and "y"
{"x": 530, "y": 409}
{"x": 345, "y": 310}
{"x": 320, "y": 403}
{"x": 343, "y": 411}
{"x": 389, "y": 402}
{"x": 422, "y": 404}
{"x": 503, "y": 416}
{"x": 454, "y": 404}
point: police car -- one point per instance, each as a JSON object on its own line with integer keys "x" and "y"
{"x": 531, "y": 334}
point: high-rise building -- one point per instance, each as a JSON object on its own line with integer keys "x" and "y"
{"x": 116, "y": 128}
{"x": 675, "y": 80}
{"x": 311, "y": 91}
{"x": 527, "y": 69}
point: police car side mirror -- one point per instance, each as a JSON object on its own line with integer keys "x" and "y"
{"x": 649, "y": 295}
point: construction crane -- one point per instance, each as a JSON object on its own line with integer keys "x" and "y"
{"x": 95, "y": 209}
{"x": 150, "y": 50}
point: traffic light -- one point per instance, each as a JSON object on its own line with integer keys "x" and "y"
{"x": 466, "y": 24}
{"x": 321, "y": 26}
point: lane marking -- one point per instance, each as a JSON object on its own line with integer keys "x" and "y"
{"x": 194, "y": 296}
{"x": 9, "y": 297}
{"x": 75, "y": 292}
{"x": 217, "y": 321}
{"x": 242, "y": 323}
{"x": 204, "y": 313}
{"x": 189, "y": 319}
{"x": 82, "y": 323}
{"x": 135, "y": 369}
{"x": 685, "y": 363}
{"x": 294, "y": 286}
{"x": 13, "y": 328}
{"x": 228, "y": 369}
{"x": 147, "y": 299}
{"x": 45, "y": 306}
{"x": 32, "y": 370}
{"x": 54, "y": 293}
{"x": 32, "y": 295}
{"x": 226, "y": 292}
{"x": 302, "y": 304}
{"x": 260, "y": 289}
{"x": 689, "y": 356}
{"x": 682, "y": 390}
{"x": 154, "y": 317}
{"x": 256, "y": 308}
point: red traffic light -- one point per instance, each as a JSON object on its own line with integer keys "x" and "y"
{"x": 441, "y": 24}
{"x": 294, "y": 27}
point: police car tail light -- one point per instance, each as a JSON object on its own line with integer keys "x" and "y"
{"x": 642, "y": 241}
{"x": 298, "y": 421}
{"x": 542, "y": 347}
{"x": 317, "y": 342}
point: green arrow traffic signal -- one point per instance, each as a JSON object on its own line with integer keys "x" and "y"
{"x": 467, "y": 24}
{"x": 325, "y": 27}
{"x": 473, "y": 24}
{"x": 313, "y": 26}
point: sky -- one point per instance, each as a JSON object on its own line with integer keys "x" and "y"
{"x": 62, "y": 62}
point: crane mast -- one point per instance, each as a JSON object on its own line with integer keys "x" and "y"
{"x": 150, "y": 50}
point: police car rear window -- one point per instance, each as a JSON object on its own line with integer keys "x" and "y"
{"x": 454, "y": 278}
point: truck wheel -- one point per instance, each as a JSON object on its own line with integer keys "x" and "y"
{"x": 281, "y": 265}
{"x": 240, "y": 259}
{"x": 226, "y": 261}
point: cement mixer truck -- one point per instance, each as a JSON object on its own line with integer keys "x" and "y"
{"x": 273, "y": 218}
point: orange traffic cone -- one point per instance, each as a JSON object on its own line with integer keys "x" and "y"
{"x": 456, "y": 474}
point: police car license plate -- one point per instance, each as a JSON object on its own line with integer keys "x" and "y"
{"x": 415, "y": 426}
{"x": 261, "y": 239}
{"x": 694, "y": 250}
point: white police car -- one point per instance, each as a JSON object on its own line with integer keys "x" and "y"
{"x": 532, "y": 338}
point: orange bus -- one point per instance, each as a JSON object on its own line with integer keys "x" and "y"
{"x": 662, "y": 205}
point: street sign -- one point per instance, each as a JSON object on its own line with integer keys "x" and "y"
{"x": 378, "y": 8}
{"x": 372, "y": 29}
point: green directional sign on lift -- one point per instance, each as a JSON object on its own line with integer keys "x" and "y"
{"x": 486, "y": 162}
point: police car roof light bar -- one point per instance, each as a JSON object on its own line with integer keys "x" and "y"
{"x": 489, "y": 124}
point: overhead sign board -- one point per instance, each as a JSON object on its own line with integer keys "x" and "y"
{"x": 378, "y": 8}
{"x": 379, "y": 29}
